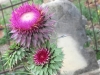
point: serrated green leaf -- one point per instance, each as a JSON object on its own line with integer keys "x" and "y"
{"x": 48, "y": 44}
{"x": 56, "y": 66}
{"x": 19, "y": 57}
{"x": 37, "y": 73}
{"x": 13, "y": 46}
{"x": 10, "y": 62}
{"x": 50, "y": 71}
{"x": 58, "y": 51}
{"x": 17, "y": 47}
{"x": 47, "y": 66}
{"x": 47, "y": 73}
{"x": 34, "y": 69}
{"x": 32, "y": 66}
{"x": 52, "y": 57}
{"x": 54, "y": 71}
{"x": 41, "y": 72}
{"x": 57, "y": 59}
{"x": 16, "y": 58}
{"x": 45, "y": 70}
{"x": 39, "y": 67}
{"x": 12, "y": 56}
{"x": 13, "y": 62}
{"x": 53, "y": 46}
{"x": 52, "y": 66}
{"x": 52, "y": 50}
{"x": 22, "y": 54}
{"x": 52, "y": 61}
{"x": 59, "y": 64}
{"x": 15, "y": 53}
{"x": 19, "y": 52}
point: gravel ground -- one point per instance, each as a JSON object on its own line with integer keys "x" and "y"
{"x": 3, "y": 48}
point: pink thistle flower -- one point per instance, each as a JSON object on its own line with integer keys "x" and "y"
{"x": 30, "y": 25}
{"x": 42, "y": 56}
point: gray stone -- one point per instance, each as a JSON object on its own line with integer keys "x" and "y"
{"x": 98, "y": 62}
{"x": 70, "y": 31}
{"x": 90, "y": 57}
{"x": 68, "y": 19}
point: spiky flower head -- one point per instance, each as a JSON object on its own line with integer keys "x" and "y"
{"x": 31, "y": 25}
{"x": 46, "y": 61}
{"x": 41, "y": 56}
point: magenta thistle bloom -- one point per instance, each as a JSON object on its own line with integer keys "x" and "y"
{"x": 30, "y": 25}
{"x": 42, "y": 56}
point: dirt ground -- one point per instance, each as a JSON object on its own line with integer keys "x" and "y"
{"x": 3, "y": 48}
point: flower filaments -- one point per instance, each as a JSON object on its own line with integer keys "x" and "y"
{"x": 30, "y": 25}
{"x": 41, "y": 56}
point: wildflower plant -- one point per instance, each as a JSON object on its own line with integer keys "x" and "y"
{"x": 31, "y": 27}
{"x": 50, "y": 63}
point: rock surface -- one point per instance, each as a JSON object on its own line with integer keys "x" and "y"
{"x": 70, "y": 31}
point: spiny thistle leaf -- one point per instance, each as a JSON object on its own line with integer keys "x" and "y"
{"x": 14, "y": 56}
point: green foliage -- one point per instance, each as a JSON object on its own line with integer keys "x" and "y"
{"x": 14, "y": 56}
{"x": 86, "y": 13}
{"x": 38, "y": 1}
{"x": 89, "y": 32}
